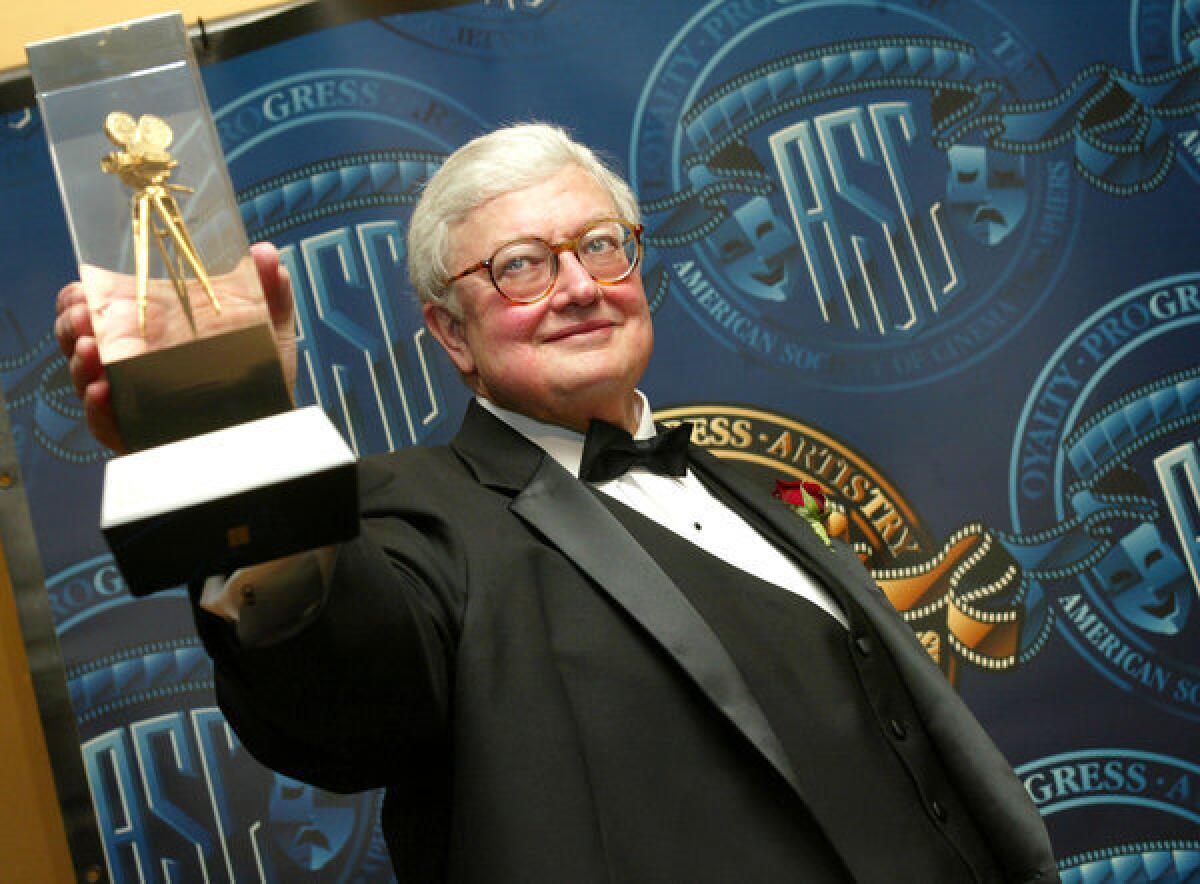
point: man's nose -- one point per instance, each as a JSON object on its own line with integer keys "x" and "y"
{"x": 574, "y": 284}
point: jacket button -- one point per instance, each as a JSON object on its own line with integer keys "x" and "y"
{"x": 899, "y": 731}
{"x": 938, "y": 811}
{"x": 863, "y": 644}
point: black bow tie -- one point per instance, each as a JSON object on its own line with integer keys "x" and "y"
{"x": 609, "y": 452}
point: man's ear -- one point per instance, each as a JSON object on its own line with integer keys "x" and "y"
{"x": 451, "y": 333}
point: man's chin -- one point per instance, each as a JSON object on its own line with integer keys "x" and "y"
{"x": 599, "y": 392}
{"x": 596, "y": 372}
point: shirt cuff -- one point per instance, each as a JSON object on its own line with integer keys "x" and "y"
{"x": 273, "y": 601}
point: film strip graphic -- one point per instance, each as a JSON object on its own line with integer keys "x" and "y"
{"x": 333, "y": 186}
{"x": 979, "y": 581}
{"x": 1151, "y": 862}
{"x": 720, "y": 166}
{"x": 138, "y": 674}
{"x": 42, "y": 400}
{"x": 970, "y": 588}
{"x": 1117, "y": 121}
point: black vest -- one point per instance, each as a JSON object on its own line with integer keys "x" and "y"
{"x": 834, "y": 698}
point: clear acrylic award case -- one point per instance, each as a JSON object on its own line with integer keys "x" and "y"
{"x": 176, "y": 304}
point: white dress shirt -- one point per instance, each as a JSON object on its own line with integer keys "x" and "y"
{"x": 682, "y": 505}
{"x": 272, "y": 601}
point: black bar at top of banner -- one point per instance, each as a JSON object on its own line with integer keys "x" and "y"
{"x": 217, "y": 41}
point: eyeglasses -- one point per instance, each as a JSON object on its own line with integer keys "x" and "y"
{"x": 524, "y": 270}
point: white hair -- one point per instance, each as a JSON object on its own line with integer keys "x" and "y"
{"x": 500, "y": 162}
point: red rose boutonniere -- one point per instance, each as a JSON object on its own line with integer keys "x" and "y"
{"x": 807, "y": 500}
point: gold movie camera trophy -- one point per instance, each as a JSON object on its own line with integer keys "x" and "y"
{"x": 144, "y": 165}
{"x": 223, "y": 471}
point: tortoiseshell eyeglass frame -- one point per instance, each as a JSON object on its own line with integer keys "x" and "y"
{"x": 555, "y": 249}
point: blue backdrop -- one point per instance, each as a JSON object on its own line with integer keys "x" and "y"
{"x": 938, "y": 255}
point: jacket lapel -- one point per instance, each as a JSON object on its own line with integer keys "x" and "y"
{"x": 566, "y": 513}
{"x": 835, "y": 566}
{"x": 976, "y": 766}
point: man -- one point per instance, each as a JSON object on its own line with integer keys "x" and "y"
{"x": 657, "y": 675}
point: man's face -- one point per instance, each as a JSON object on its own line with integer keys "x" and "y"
{"x": 575, "y": 355}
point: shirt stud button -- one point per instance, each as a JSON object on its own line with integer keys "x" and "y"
{"x": 697, "y": 526}
{"x": 899, "y": 731}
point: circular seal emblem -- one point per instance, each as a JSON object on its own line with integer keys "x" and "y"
{"x": 334, "y": 160}
{"x": 1105, "y": 486}
{"x": 171, "y": 786}
{"x": 1165, "y": 35}
{"x": 1148, "y": 798}
{"x": 883, "y": 527}
{"x": 808, "y": 207}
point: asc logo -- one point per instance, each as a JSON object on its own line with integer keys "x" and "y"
{"x": 358, "y": 145}
{"x": 176, "y": 796}
{"x": 1105, "y": 485}
{"x": 816, "y": 203}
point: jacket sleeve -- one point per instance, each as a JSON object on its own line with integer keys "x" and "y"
{"x": 364, "y": 688}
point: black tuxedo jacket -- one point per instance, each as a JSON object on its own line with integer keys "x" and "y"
{"x": 544, "y": 705}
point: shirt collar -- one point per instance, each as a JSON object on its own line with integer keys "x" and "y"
{"x": 565, "y": 446}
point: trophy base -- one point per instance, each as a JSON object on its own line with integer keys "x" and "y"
{"x": 197, "y": 387}
{"x": 246, "y": 494}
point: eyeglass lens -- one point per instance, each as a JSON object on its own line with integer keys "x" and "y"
{"x": 525, "y": 270}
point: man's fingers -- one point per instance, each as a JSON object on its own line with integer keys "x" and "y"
{"x": 97, "y": 407}
{"x": 85, "y": 365}
{"x": 73, "y": 329}
{"x": 62, "y": 334}
{"x": 283, "y": 305}
{"x": 277, "y": 286}
{"x": 277, "y": 289}
{"x": 72, "y": 319}
{"x": 72, "y": 324}
{"x": 69, "y": 294}
{"x": 64, "y": 326}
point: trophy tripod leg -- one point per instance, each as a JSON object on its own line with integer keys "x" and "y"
{"x": 168, "y": 211}
{"x": 141, "y": 253}
{"x": 175, "y": 271}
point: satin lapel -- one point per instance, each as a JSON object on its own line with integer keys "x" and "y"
{"x": 498, "y": 456}
{"x": 984, "y": 777}
{"x": 842, "y": 572}
{"x": 995, "y": 795}
{"x": 836, "y": 566}
{"x": 570, "y": 517}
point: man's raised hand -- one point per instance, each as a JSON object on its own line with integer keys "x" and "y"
{"x": 77, "y": 338}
